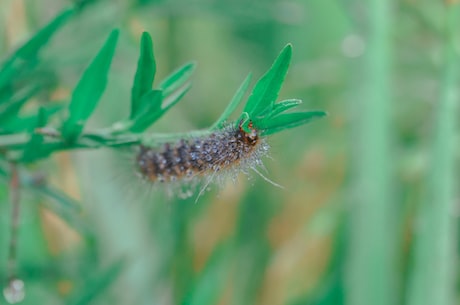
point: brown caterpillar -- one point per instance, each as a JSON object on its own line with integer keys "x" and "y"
{"x": 227, "y": 151}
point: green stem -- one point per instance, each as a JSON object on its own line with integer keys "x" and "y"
{"x": 14, "y": 225}
{"x": 10, "y": 141}
{"x": 371, "y": 269}
{"x": 89, "y": 140}
{"x": 433, "y": 275}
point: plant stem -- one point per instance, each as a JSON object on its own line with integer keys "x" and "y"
{"x": 371, "y": 271}
{"x": 13, "y": 140}
{"x": 14, "y": 225}
{"x": 433, "y": 276}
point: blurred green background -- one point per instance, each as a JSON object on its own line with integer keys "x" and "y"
{"x": 368, "y": 213}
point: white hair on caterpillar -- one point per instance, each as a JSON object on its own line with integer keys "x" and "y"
{"x": 184, "y": 164}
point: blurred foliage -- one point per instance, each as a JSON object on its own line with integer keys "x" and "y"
{"x": 368, "y": 213}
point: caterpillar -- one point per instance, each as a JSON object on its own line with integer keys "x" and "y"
{"x": 221, "y": 153}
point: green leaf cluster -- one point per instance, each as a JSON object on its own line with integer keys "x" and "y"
{"x": 19, "y": 66}
{"x": 261, "y": 109}
{"x": 31, "y": 138}
{"x": 28, "y": 139}
{"x": 147, "y": 104}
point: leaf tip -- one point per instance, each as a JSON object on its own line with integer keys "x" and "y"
{"x": 192, "y": 65}
{"x": 146, "y": 38}
{"x": 287, "y": 49}
{"x": 114, "y": 33}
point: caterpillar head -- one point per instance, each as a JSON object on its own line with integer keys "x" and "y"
{"x": 250, "y": 134}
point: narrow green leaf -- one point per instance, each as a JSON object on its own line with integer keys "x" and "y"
{"x": 150, "y": 103}
{"x": 236, "y": 100}
{"x": 176, "y": 79}
{"x": 30, "y": 50}
{"x": 150, "y": 116}
{"x": 266, "y": 90}
{"x": 80, "y": 5}
{"x": 145, "y": 74}
{"x": 434, "y": 273}
{"x": 251, "y": 244}
{"x": 211, "y": 281}
{"x": 283, "y": 106}
{"x": 2, "y": 172}
{"x": 89, "y": 89}
{"x": 172, "y": 100}
{"x": 286, "y": 121}
{"x": 375, "y": 214}
{"x": 65, "y": 205}
{"x": 6, "y": 90}
{"x": 18, "y": 124}
{"x": 70, "y": 215}
{"x": 11, "y": 110}
{"x": 150, "y": 112}
{"x": 62, "y": 205}
{"x": 34, "y": 149}
{"x": 60, "y": 197}
{"x": 94, "y": 286}
{"x": 32, "y": 47}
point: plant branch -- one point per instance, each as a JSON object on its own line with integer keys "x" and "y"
{"x": 14, "y": 186}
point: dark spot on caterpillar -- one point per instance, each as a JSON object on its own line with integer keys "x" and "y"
{"x": 221, "y": 151}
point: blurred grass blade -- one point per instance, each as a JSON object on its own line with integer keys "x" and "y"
{"x": 211, "y": 282}
{"x": 371, "y": 273}
{"x": 145, "y": 74}
{"x": 89, "y": 89}
{"x": 67, "y": 208}
{"x": 30, "y": 49}
{"x": 58, "y": 196}
{"x": 2, "y": 171}
{"x": 94, "y": 286}
{"x": 289, "y": 120}
{"x": 176, "y": 79}
{"x": 434, "y": 274}
{"x": 253, "y": 250}
{"x": 330, "y": 289}
{"x": 236, "y": 100}
{"x": 266, "y": 90}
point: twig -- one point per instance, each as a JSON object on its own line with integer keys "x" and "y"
{"x": 14, "y": 291}
{"x": 14, "y": 226}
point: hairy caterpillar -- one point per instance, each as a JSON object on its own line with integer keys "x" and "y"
{"x": 221, "y": 153}
{"x": 226, "y": 149}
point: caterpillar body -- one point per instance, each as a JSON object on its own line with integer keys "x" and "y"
{"x": 219, "y": 154}
{"x": 226, "y": 150}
